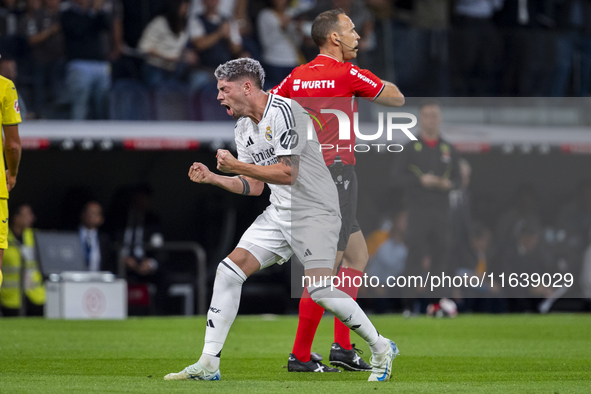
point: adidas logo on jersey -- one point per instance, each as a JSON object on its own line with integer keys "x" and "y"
{"x": 307, "y": 253}
{"x": 318, "y": 84}
{"x": 249, "y": 142}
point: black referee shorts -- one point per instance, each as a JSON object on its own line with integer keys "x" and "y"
{"x": 345, "y": 179}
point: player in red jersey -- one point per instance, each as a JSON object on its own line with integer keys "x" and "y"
{"x": 325, "y": 83}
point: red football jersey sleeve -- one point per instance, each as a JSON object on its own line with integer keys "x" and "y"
{"x": 283, "y": 88}
{"x": 364, "y": 83}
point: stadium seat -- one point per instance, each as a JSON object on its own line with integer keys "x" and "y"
{"x": 140, "y": 299}
{"x": 129, "y": 100}
{"x": 138, "y": 294}
{"x": 172, "y": 101}
{"x": 184, "y": 290}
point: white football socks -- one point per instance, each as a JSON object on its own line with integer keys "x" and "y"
{"x": 348, "y": 311}
{"x": 223, "y": 309}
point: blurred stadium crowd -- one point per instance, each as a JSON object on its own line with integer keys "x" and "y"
{"x": 90, "y": 59}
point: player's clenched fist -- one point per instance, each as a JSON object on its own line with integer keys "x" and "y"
{"x": 199, "y": 173}
{"x": 10, "y": 181}
{"x": 226, "y": 162}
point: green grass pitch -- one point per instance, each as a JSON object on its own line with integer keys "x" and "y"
{"x": 469, "y": 354}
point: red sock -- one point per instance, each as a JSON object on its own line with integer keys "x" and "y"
{"x": 342, "y": 333}
{"x": 310, "y": 315}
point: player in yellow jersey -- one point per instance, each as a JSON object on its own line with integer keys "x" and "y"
{"x": 10, "y": 116}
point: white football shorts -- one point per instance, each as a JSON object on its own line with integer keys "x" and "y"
{"x": 313, "y": 239}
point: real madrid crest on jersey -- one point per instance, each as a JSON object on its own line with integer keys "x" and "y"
{"x": 268, "y": 134}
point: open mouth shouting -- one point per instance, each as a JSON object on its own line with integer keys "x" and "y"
{"x": 228, "y": 109}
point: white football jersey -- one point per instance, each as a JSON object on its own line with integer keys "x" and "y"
{"x": 283, "y": 132}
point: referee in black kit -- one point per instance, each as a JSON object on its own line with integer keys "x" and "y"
{"x": 427, "y": 169}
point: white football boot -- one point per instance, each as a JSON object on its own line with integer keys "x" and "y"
{"x": 382, "y": 364}
{"x": 194, "y": 372}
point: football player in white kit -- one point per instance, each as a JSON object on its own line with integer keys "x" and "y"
{"x": 303, "y": 217}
